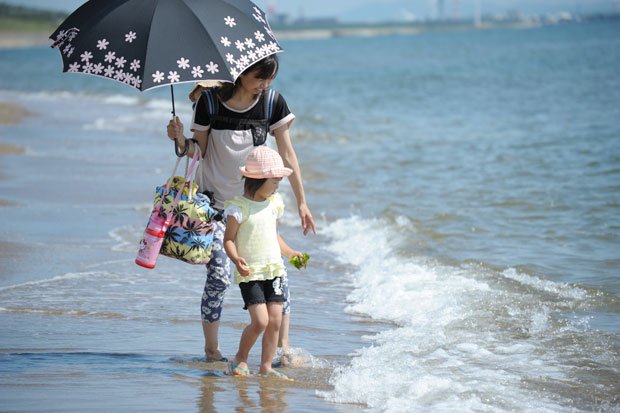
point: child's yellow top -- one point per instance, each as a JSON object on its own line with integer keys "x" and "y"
{"x": 257, "y": 237}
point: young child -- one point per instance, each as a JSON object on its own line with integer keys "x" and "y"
{"x": 252, "y": 243}
{"x": 199, "y": 87}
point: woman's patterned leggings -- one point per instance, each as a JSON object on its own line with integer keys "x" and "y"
{"x": 219, "y": 273}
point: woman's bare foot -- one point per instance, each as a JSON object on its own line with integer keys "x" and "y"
{"x": 213, "y": 356}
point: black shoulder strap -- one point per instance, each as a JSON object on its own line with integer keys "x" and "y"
{"x": 211, "y": 101}
{"x": 270, "y": 98}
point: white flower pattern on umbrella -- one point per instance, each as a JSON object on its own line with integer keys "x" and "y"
{"x": 173, "y": 76}
{"x": 158, "y": 77}
{"x": 135, "y": 65}
{"x": 224, "y": 40}
{"x": 270, "y": 32}
{"x": 259, "y": 18}
{"x": 87, "y": 67}
{"x": 183, "y": 63}
{"x": 102, "y": 44}
{"x": 249, "y": 43}
{"x": 229, "y": 21}
{"x": 243, "y": 61}
{"x": 130, "y": 37}
{"x": 98, "y": 68}
{"x": 240, "y": 45}
{"x": 197, "y": 71}
{"x": 260, "y": 37}
{"x": 120, "y": 62}
{"x": 110, "y": 57}
{"x": 212, "y": 68}
{"x": 86, "y": 56}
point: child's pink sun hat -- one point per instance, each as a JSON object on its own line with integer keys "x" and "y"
{"x": 264, "y": 162}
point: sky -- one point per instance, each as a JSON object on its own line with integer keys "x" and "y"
{"x": 379, "y": 10}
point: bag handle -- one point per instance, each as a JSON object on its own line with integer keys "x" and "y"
{"x": 188, "y": 173}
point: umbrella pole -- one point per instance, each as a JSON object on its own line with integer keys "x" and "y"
{"x": 172, "y": 95}
{"x": 176, "y": 143}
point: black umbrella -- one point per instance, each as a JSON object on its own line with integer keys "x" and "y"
{"x": 150, "y": 43}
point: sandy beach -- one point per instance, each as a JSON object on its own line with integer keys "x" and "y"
{"x": 11, "y": 40}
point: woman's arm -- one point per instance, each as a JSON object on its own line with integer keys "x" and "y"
{"x": 286, "y": 151}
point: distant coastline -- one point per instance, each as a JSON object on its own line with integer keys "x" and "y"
{"x": 386, "y": 29}
{"x": 25, "y": 27}
{"x": 37, "y": 38}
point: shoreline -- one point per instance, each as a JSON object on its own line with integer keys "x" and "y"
{"x": 15, "y": 39}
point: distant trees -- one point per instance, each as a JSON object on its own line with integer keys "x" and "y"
{"x": 19, "y": 18}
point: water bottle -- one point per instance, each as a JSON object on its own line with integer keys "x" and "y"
{"x": 152, "y": 240}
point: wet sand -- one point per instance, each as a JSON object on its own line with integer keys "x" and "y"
{"x": 7, "y": 149}
{"x": 11, "y": 114}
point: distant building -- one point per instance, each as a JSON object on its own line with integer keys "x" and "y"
{"x": 315, "y": 21}
{"x": 284, "y": 19}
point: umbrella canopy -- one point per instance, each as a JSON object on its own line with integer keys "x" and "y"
{"x": 150, "y": 43}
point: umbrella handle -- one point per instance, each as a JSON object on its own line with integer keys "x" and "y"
{"x": 176, "y": 148}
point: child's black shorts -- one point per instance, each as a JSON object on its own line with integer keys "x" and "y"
{"x": 259, "y": 292}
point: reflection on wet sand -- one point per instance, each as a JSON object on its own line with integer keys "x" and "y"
{"x": 253, "y": 393}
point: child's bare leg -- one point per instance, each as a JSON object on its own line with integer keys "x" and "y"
{"x": 270, "y": 336}
{"x": 259, "y": 318}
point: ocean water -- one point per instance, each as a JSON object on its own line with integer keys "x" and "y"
{"x": 466, "y": 187}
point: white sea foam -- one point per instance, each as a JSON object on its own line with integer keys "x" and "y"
{"x": 121, "y": 100}
{"x": 459, "y": 343}
{"x": 64, "y": 277}
{"x": 562, "y": 290}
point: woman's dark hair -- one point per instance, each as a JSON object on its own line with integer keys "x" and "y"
{"x": 251, "y": 185}
{"x": 266, "y": 68}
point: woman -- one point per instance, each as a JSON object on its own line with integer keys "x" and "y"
{"x": 226, "y": 132}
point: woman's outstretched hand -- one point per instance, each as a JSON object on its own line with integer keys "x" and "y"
{"x": 307, "y": 222}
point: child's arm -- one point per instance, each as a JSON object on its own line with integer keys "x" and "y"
{"x": 287, "y": 251}
{"x": 231, "y": 249}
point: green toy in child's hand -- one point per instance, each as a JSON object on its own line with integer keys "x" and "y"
{"x": 299, "y": 262}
